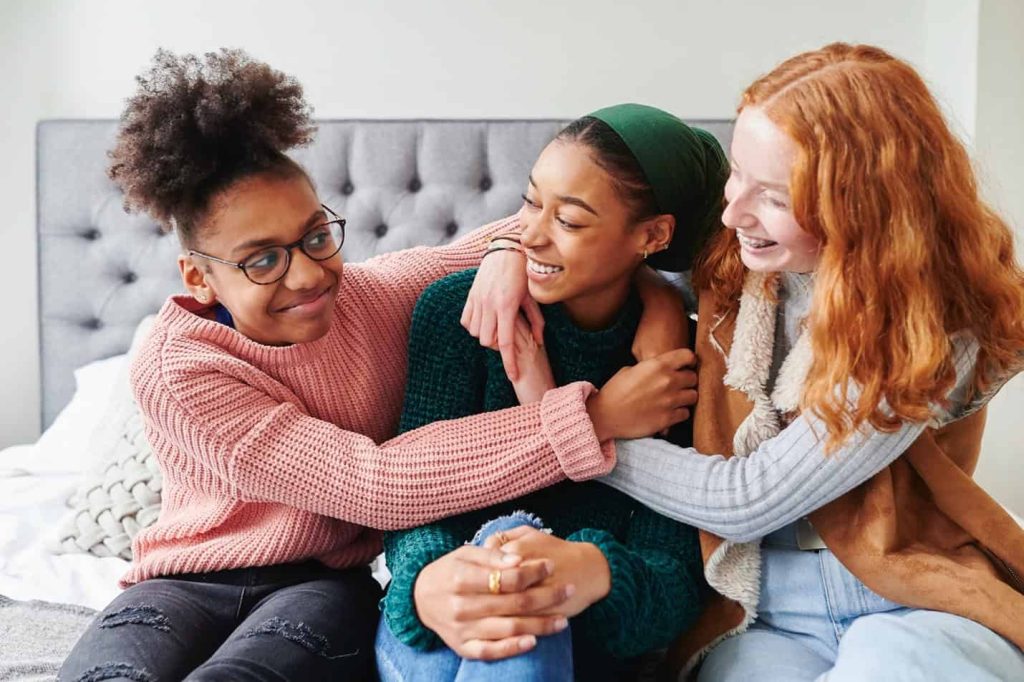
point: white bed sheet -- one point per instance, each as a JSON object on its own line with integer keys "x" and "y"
{"x": 35, "y": 483}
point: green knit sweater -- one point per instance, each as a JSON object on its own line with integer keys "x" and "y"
{"x": 657, "y": 586}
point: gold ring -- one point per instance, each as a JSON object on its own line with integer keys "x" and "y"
{"x": 494, "y": 582}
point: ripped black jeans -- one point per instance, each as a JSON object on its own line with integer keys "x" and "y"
{"x": 290, "y": 622}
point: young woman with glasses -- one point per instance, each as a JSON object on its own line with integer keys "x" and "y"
{"x": 269, "y": 390}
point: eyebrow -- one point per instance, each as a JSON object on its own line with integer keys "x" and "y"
{"x": 778, "y": 187}
{"x": 575, "y": 201}
{"x": 256, "y": 243}
{"x": 775, "y": 186}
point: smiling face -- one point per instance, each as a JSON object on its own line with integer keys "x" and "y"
{"x": 759, "y": 207}
{"x": 581, "y": 241}
{"x": 260, "y": 211}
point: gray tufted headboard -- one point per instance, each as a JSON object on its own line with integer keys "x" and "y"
{"x": 399, "y": 184}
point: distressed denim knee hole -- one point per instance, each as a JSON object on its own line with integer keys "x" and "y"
{"x": 140, "y": 614}
{"x": 113, "y": 671}
{"x": 298, "y": 633}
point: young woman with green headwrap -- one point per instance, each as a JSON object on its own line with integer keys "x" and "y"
{"x": 625, "y": 185}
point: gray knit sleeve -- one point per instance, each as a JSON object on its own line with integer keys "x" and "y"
{"x": 786, "y": 478}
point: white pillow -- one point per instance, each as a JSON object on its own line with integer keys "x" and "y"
{"x": 121, "y": 495}
{"x": 64, "y": 447}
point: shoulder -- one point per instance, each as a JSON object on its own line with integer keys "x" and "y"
{"x": 451, "y": 290}
{"x": 441, "y": 303}
{"x": 182, "y": 347}
{"x": 962, "y": 399}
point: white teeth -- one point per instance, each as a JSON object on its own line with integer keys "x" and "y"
{"x": 752, "y": 243}
{"x": 542, "y": 269}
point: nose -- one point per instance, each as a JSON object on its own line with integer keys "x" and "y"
{"x": 736, "y": 213}
{"x": 534, "y": 234}
{"x": 304, "y": 272}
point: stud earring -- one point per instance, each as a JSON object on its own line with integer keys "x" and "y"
{"x": 200, "y": 297}
{"x": 645, "y": 254}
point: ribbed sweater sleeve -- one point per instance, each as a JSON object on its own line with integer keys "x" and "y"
{"x": 467, "y": 251}
{"x": 784, "y": 479}
{"x": 269, "y": 449}
{"x": 656, "y": 564}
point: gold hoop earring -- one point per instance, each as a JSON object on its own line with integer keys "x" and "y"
{"x": 645, "y": 254}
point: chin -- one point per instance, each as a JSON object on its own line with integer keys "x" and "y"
{"x": 542, "y": 295}
{"x": 314, "y": 332}
{"x": 757, "y": 266}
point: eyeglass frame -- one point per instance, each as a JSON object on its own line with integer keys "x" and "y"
{"x": 287, "y": 249}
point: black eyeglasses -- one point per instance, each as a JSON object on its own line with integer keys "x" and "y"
{"x": 271, "y": 264}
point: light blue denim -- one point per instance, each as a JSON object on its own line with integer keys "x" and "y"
{"x": 816, "y": 621}
{"x": 549, "y": 661}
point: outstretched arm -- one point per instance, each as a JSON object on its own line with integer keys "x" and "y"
{"x": 786, "y": 478}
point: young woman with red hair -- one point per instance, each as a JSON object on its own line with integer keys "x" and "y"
{"x": 854, "y": 319}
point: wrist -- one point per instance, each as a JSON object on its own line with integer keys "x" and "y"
{"x": 504, "y": 241}
{"x": 495, "y": 247}
{"x": 600, "y": 582}
{"x": 418, "y": 600}
{"x": 506, "y": 236}
{"x": 599, "y": 418}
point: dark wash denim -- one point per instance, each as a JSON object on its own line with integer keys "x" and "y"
{"x": 288, "y": 622}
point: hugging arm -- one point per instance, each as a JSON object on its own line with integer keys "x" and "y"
{"x": 784, "y": 479}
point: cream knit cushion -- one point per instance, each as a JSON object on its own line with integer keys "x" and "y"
{"x": 122, "y": 494}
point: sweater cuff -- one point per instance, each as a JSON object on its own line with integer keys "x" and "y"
{"x": 603, "y": 620}
{"x": 564, "y": 419}
{"x": 399, "y": 611}
{"x": 467, "y": 251}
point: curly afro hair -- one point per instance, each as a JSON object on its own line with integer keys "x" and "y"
{"x": 196, "y": 126}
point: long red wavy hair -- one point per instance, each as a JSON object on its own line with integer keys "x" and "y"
{"x": 910, "y": 253}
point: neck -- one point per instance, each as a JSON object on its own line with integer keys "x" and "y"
{"x": 598, "y": 309}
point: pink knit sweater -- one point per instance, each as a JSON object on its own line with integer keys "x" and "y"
{"x": 270, "y": 454}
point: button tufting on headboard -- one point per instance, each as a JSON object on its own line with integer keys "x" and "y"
{"x": 485, "y": 184}
{"x": 415, "y": 185}
{"x": 451, "y": 228}
{"x": 380, "y": 230}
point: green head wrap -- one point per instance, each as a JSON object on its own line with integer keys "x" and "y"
{"x": 685, "y": 167}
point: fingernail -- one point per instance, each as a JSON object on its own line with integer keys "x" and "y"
{"x": 561, "y": 624}
{"x": 570, "y": 590}
{"x": 510, "y": 559}
{"x": 549, "y": 567}
{"x": 527, "y": 642}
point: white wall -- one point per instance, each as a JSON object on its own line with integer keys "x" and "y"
{"x": 407, "y": 58}
{"x": 999, "y": 141}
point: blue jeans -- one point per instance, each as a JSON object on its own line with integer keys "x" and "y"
{"x": 816, "y": 621}
{"x": 287, "y": 622}
{"x": 549, "y": 661}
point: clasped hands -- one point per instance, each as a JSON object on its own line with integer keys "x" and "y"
{"x": 543, "y": 581}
